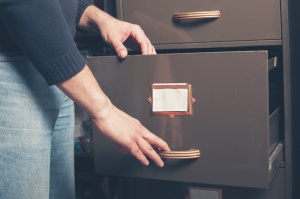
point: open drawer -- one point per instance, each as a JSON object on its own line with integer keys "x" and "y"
{"x": 231, "y": 122}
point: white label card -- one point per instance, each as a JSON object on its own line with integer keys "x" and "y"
{"x": 170, "y": 99}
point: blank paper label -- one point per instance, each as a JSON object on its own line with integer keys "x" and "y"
{"x": 170, "y": 100}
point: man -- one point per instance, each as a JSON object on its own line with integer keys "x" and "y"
{"x": 37, "y": 52}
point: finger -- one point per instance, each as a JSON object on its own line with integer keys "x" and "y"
{"x": 147, "y": 149}
{"x": 155, "y": 141}
{"x": 154, "y": 51}
{"x": 150, "y": 49}
{"x": 137, "y": 153}
{"x": 140, "y": 37}
{"x": 144, "y": 47}
{"x": 120, "y": 49}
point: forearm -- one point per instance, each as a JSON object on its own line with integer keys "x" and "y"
{"x": 85, "y": 91}
{"x": 92, "y": 18}
{"x": 128, "y": 133}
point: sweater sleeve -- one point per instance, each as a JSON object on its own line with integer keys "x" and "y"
{"x": 40, "y": 30}
{"x": 82, "y": 5}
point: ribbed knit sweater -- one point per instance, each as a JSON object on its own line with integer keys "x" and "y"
{"x": 44, "y": 31}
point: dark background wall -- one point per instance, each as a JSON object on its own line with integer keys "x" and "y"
{"x": 295, "y": 87}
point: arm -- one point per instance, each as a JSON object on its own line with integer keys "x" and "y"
{"x": 43, "y": 36}
{"x": 125, "y": 131}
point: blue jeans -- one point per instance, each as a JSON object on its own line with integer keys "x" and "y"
{"x": 36, "y": 134}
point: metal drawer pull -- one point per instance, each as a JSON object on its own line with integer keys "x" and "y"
{"x": 197, "y": 15}
{"x": 188, "y": 154}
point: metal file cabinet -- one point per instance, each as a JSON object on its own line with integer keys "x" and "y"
{"x": 148, "y": 189}
{"x": 241, "y": 130}
{"x": 242, "y": 21}
{"x": 231, "y": 125}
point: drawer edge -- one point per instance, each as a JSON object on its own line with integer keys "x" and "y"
{"x": 275, "y": 160}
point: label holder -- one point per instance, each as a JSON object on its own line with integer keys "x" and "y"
{"x": 171, "y": 114}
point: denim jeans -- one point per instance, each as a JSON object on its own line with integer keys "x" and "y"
{"x": 36, "y": 134}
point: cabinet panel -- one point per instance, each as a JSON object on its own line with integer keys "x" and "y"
{"x": 229, "y": 125}
{"x": 149, "y": 189}
{"x": 240, "y": 20}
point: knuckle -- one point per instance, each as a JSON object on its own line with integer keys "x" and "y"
{"x": 137, "y": 122}
{"x": 155, "y": 137}
{"x": 139, "y": 126}
{"x": 137, "y": 152}
{"x": 137, "y": 27}
{"x": 131, "y": 140}
{"x": 128, "y": 142}
{"x": 149, "y": 148}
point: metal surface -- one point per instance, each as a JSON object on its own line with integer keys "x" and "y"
{"x": 273, "y": 63}
{"x": 160, "y": 189}
{"x": 220, "y": 44}
{"x": 188, "y": 154}
{"x": 197, "y": 15}
{"x": 230, "y": 125}
{"x": 274, "y": 134}
{"x": 289, "y": 86}
{"x": 240, "y": 21}
{"x": 275, "y": 159}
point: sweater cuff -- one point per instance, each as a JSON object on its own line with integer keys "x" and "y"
{"x": 82, "y": 5}
{"x": 64, "y": 67}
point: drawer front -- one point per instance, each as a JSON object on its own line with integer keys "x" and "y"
{"x": 149, "y": 189}
{"x": 229, "y": 125}
{"x": 240, "y": 20}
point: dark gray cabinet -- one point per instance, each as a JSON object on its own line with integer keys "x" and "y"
{"x": 246, "y": 20}
{"x": 242, "y": 120}
{"x": 149, "y": 189}
{"x": 231, "y": 125}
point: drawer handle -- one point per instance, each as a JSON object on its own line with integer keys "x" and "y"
{"x": 197, "y": 15}
{"x": 188, "y": 154}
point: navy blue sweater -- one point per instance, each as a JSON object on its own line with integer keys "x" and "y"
{"x": 44, "y": 31}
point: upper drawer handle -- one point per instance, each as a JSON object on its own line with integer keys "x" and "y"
{"x": 197, "y": 15}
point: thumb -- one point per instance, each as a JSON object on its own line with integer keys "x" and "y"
{"x": 120, "y": 49}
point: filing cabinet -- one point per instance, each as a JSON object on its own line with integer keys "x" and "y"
{"x": 241, "y": 120}
{"x": 238, "y": 21}
{"x": 231, "y": 123}
{"x": 148, "y": 189}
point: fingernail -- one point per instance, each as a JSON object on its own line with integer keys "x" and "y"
{"x": 122, "y": 54}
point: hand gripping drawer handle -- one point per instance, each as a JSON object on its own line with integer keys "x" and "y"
{"x": 188, "y": 154}
{"x": 197, "y": 15}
